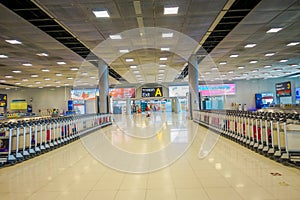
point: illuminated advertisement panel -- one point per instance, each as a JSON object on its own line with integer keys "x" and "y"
{"x": 217, "y": 89}
{"x": 178, "y": 91}
{"x": 84, "y": 94}
{"x": 120, "y": 93}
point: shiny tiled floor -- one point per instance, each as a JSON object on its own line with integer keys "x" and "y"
{"x": 230, "y": 171}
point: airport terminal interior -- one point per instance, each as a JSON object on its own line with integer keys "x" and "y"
{"x": 150, "y": 99}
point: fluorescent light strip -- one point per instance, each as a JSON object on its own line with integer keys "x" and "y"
{"x": 3, "y": 56}
{"x": 61, "y": 63}
{"x": 163, "y": 58}
{"x": 167, "y": 35}
{"x": 115, "y": 37}
{"x": 124, "y": 51}
{"x": 293, "y": 44}
{"x": 165, "y": 49}
{"x": 274, "y": 30}
{"x": 234, "y": 56}
{"x": 269, "y": 54}
{"x": 13, "y": 41}
{"x": 129, "y": 59}
{"x": 250, "y": 45}
{"x": 27, "y": 64}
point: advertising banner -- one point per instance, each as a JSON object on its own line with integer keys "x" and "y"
{"x": 178, "y": 91}
{"x": 121, "y": 93}
{"x": 217, "y": 89}
{"x": 84, "y": 94}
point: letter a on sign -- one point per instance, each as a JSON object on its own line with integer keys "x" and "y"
{"x": 158, "y": 93}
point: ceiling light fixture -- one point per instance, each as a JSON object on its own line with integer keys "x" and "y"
{"x": 274, "y": 30}
{"x": 101, "y": 14}
{"x": 3, "y": 56}
{"x": 163, "y": 58}
{"x": 241, "y": 67}
{"x": 129, "y": 59}
{"x": 167, "y": 35}
{"x": 253, "y": 61}
{"x": 2, "y": 81}
{"x": 115, "y": 37}
{"x": 267, "y": 66}
{"x": 61, "y": 62}
{"x": 47, "y": 79}
{"x": 45, "y": 70}
{"x": 269, "y": 54}
{"x": 136, "y": 72}
{"x": 69, "y": 78}
{"x": 283, "y": 60}
{"x": 223, "y": 63}
{"x": 27, "y": 64}
{"x": 74, "y": 69}
{"x": 42, "y": 54}
{"x": 161, "y": 71}
{"x": 37, "y": 82}
{"x": 58, "y": 74}
{"x": 13, "y": 41}
{"x": 162, "y": 65}
{"x": 293, "y": 44}
{"x": 17, "y": 71}
{"x": 24, "y": 79}
{"x": 171, "y": 10}
{"x": 124, "y": 51}
{"x": 8, "y": 76}
{"x": 234, "y": 56}
{"x": 34, "y": 75}
{"x": 18, "y": 83}
{"x": 165, "y": 49}
{"x": 250, "y": 45}
{"x": 230, "y": 72}
{"x": 133, "y": 66}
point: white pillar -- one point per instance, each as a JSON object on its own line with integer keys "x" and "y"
{"x": 103, "y": 86}
{"x": 193, "y": 84}
{"x": 128, "y": 106}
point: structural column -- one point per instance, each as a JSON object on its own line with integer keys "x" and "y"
{"x": 103, "y": 87}
{"x": 193, "y": 85}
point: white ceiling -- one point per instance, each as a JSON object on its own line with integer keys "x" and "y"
{"x": 192, "y": 23}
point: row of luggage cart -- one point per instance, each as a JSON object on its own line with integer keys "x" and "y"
{"x": 24, "y": 139}
{"x": 273, "y": 134}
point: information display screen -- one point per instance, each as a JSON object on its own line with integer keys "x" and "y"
{"x": 152, "y": 92}
{"x": 18, "y": 105}
{"x": 283, "y": 89}
{"x": 3, "y": 100}
{"x": 297, "y": 93}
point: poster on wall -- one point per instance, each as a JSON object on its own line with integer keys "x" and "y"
{"x": 217, "y": 89}
{"x": 19, "y": 104}
{"x": 283, "y": 89}
{"x": 84, "y": 94}
{"x": 297, "y": 91}
{"x": 152, "y": 92}
{"x": 178, "y": 91}
{"x": 3, "y": 100}
{"x": 121, "y": 93}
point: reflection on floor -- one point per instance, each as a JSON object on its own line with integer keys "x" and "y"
{"x": 80, "y": 171}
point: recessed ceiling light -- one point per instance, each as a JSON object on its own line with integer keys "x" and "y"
{"x": 101, "y": 14}
{"x": 274, "y": 30}
{"x": 234, "y": 56}
{"x": 2, "y": 81}
{"x": 278, "y": 69}
{"x": 230, "y": 72}
{"x": 124, "y": 50}
{"x": 160, "y": 74}
{"x": 41, "y": 87}
{"x": 138, "y": 75}
{"x": 115, "y": 37}
{"x": 250, "y": 45}
{"x": 58, "y": 86}
{"x": 17, "y": 71}
{"x": 69, "y": 78}
{"x": 57, "y": 81}
{"x": 7, "y": 88}
{"x": 269, "y": 54}
{"x": 214, "y": 68}
{"x": 66, "y": 84}
{"x": 61, "y": 62}
{"x": 163, "y": 58}
{"x": 223, "y": 75}
{"x": 167, "y": 35}
{"x": 255, "y": 70}
{"x": 162, "y": 65}
{"x": 37, "y": 82}
{"x": 133, "y": 66}
{"x": 47, "y": 79}
{"x": 129, "y": 60}
{"x": 136, "y": 72}
{"x": 18, "y": 83}
{"x": 24, "y": 79}
{"x": 58, "y": 74}
{"x": 45, "y": 70}
{"x": 267, "y": 66}
{"x": 293, "y": 65}
{"x": 13, "y": 41}
{"x": 241, "y": 67}
{"x": 283, "y": 60}
{"x": 42, "y": 54}
{"x": 207, "y": 72}
{"x": 48, "y": 85}
{"x": 84, "y": 73}
{"x": 34, "y": 75}
{"x": 170, "y": 10}
{"x": 223, "y": 63}
{"x": 3, "y": 56}
{"x": 161, "y": 71}
{"x": 30, "y": 85}
{"x": 253, "y": 61}
{"x": 74, "y": 69}
{"x": 27, "y": 64}
{"x": 165, "y": 49}
{"x": 92, "y": 77}
{"x": 8, "y": 76}
{"x": 293, "y": 44}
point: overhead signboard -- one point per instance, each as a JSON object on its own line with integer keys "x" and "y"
{"x": 283, "y": 89}
{"x": 217, "y": 89}
{"x": 19, "y": 104}
{"x": 121, "y": 93}
{"x": 152, "y": 92}
{"x": 3, "y": 100}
